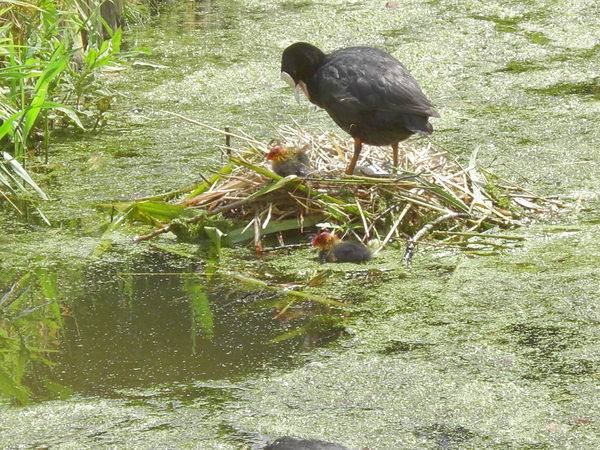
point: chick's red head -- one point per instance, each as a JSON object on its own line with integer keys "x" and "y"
{"x": 325, "y": 240}
{"x": 275, "y": 152}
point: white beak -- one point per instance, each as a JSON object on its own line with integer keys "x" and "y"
{"x": 297, "y": 93}
{"x": 290, "y": 81}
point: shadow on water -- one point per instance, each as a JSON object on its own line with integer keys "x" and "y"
{"x": 116, "y": 328}
{"x": 545, "y": 348}
{"x": 445, "y": 438}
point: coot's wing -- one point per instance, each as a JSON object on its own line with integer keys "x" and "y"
{"x": 367, "y": 79}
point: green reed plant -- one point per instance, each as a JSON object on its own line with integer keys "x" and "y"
{"x": 51, "y": 53}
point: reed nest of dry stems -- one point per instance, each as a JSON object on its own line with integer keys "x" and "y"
{"x": 429, "y": 190}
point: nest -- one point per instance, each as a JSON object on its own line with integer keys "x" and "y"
{"x": 428, "y": 188}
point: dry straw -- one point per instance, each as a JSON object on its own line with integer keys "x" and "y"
{"x": 429, "y": 187}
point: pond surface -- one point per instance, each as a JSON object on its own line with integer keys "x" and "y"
{"x": 458, "y": 352}
{"x": 167, "y": 327}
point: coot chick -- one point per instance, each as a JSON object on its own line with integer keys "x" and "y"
{"x": 332, "y": 249}
{"x": 290, "y": 443}
{"x": 367, "y": 92}
{"x": 287, "y": 161}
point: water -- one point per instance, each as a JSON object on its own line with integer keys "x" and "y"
{"x": 167, "y": 328}
{"x": 456, "y": 353}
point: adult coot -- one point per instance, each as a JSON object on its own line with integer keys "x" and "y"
{"x": 289, "y": 161}
{"x": 332, "y": 249}
{"x": 290, "y": 443}
{"x": 367, "y": 92}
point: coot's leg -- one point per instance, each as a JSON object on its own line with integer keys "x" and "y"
{"x": 395, "y": 148}
{"x": 357, "y": 149}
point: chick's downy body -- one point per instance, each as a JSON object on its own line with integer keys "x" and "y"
{"x": 332, "y": 249}
{"x": 289, "y": 161}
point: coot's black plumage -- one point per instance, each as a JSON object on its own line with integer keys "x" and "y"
{"x": 367, "y": 92}
{"x": 290, "y": 443}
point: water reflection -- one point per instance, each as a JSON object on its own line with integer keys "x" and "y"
{"x": 129, "y": 330}
{"x": 204, "y": 14}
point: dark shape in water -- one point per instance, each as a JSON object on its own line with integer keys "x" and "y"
{"x": 332, "y": 249}
{"x": 445, "y": 437}
{"x": 288, "y": 161}
{"x": 290, "y": 443}
{"x": 368, "y": 93}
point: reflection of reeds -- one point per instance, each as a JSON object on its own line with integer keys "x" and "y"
{"x": 430, "y": 186}
{"x": 31, "y": 323}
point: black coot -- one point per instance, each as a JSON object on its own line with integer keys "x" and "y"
{"x": 290, "y": 443}
{"x": 367, "y": 92}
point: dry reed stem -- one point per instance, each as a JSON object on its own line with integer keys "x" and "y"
{"x": 373, "y": 199}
